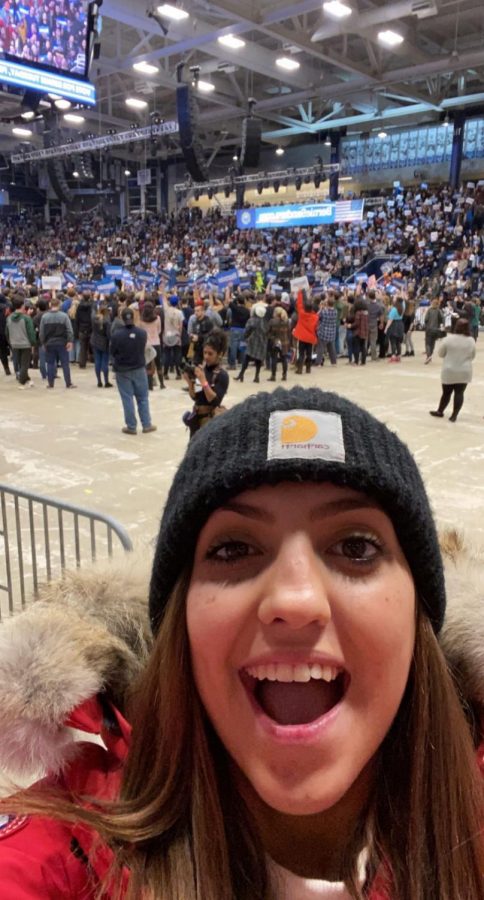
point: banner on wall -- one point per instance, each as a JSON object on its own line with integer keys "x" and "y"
{"x": 300, "y": 214}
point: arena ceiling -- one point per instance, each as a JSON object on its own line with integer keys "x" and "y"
{"x": 345, "y": 75}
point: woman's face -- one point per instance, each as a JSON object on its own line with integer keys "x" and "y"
{"x": 300, "y": 616}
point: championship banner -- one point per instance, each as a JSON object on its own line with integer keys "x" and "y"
{"x": 300, "y": 214}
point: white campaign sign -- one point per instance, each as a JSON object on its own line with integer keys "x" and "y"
{"x": 51, "y": 282}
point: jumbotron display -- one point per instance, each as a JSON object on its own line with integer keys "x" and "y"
{"x": 51, "y": 34}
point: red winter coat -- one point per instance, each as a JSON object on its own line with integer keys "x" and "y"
{"x": 43, "y": 859}
{"x": 307, "y": 323}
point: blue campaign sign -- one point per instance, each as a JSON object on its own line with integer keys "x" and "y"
{"x": 106, "y": 286}
{"x": 225, "y": 279}
{"x": 113, "y": 271}
{"x": 297, "y": 214}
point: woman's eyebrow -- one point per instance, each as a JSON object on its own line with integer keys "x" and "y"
{"x": 345, "y": 505}
{"x": 246, "y": 509}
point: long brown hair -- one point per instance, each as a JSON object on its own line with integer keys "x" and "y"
{"x": 185, "y": 832}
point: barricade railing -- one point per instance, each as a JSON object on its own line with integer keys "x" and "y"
{"x": 41, "y": 536}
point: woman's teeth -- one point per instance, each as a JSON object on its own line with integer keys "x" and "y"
{"x": 288, "y": 673}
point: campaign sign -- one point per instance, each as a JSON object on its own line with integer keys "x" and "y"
{"x": 297, "y": 214}
{"x": 106, "y": 286}
{"x": 51, "y": 282}
{"x": 113, "y": 271}
{"x": 225, "y": 279}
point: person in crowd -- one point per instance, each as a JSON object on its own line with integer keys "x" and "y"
{"x": 41, "y": 309}
{"x": 408, "y": 326}
{"x": 21, "y": 338}
{"x": 350, "y": 325}
{"x": 395, "y": 329}
{"x": 278, "y": 337}
{"x": 326, "y": 331}
{"x": 255, "y": 337}
{"x": 296, "y": 731}
{"x": 207, "y": 384}
{"x": 199, "y": 327}
{"x": 5, "y": 310}
{"x": 305, "y": 331}
{"x": 360, "y": 330}
{"x": 128, "y": 355}
{"x": 100, "y": 338}
{"x": 434, "y": 328}
{"x": 237, "y": 318}
{"x": 56, "y": 336}
{"x": 376, "y": 313}
{"x": 457, "y": 350}
{"x": 83, "y": 319}
{"x": 475, "y": 319}
{"x": 71, "y": 311}
{"x": 172, "y": 337}
{"x": 151, "y": 323}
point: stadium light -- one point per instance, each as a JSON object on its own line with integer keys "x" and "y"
{"x": 22, "y": 132}
{"x": 74, "y": 119}
{"x": 279, "y": 151}
{"x": 136, "y": 103}
{"x": 337, "y": 9}
{"x": 382, "y": 134}
{"x": 145, "y": 67}
{"x": 327, "y": 142}
{"x": 206, "y": 87}
{"x": 172, "y": 12}
{"x": 390, "y": 38}
{"x": 75, "y": 174}
{"x": 287, "y": 63}
{"x": 27, "y": 115}
{"x": 62, "y": 104}
{"x": 127, "y": 173}
{"x": 230, "y": 40}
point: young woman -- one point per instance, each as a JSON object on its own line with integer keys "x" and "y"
{"x": 395, "y": 329}
{"x": 278, "y": 336}
{"x": 457, "y": 350}
{"x": 296, "y": 732}
{"x": 207, "y": 384}
{"x": 305, "y": 331}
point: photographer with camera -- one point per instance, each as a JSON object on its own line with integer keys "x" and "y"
{"x": 207, "y": 385}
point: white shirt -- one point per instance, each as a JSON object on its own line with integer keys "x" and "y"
{"x": 289, "y": 886}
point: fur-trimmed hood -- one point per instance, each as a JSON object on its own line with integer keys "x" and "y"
{"x": 89, "y": 633}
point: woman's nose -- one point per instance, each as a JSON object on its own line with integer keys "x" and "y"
{"x": 295, "y": 590}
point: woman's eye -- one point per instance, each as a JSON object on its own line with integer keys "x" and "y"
{"x": 358, "y": 549}
{"x": 230, "y": 551}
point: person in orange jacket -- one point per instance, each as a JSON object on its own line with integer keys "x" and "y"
{"x": 296, "y": 731}
{"x": 305, "y": 331}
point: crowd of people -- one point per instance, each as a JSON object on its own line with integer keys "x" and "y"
{"x": 435, "y": 235}
{"x": 53, "y": 33}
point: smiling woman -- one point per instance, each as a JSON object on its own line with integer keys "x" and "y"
{"x": 296, "y": 733}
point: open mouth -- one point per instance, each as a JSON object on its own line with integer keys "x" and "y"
{"x": 295, "y": 694}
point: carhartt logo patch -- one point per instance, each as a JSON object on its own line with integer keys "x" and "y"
{"x": 306, "y": 434}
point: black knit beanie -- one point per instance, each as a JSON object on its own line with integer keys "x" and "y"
{"x": 298, "y": 435}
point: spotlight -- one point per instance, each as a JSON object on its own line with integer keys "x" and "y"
{"x": 327, "y": 141}
{"x": 227, "y": 191}
{"x": 280, "y": 151}
{"x": 210, "y": 193}
{"x": 298, "y": 182}
{"x": 260, "y": 187}
{"x": 317, "y": 180}
{"x": 276, "y": 185}
{"x": 196, "y": 195}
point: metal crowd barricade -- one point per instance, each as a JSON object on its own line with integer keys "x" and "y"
{"x": 41, "y": 536}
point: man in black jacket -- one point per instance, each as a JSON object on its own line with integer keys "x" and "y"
{"x": 128, "y": 354}
{"x": 83, "y": 320}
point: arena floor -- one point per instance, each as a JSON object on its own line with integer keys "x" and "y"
{"x": 70, "y": 445}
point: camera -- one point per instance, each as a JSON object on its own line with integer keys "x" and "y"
{"x": 188, "y": 369}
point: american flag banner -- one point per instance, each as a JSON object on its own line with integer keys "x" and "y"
{"x": 349, "y": 210}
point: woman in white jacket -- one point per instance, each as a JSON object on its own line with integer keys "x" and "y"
{"x": 458, "y": 350}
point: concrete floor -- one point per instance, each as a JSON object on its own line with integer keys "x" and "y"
{"x": 69, "y": 445}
